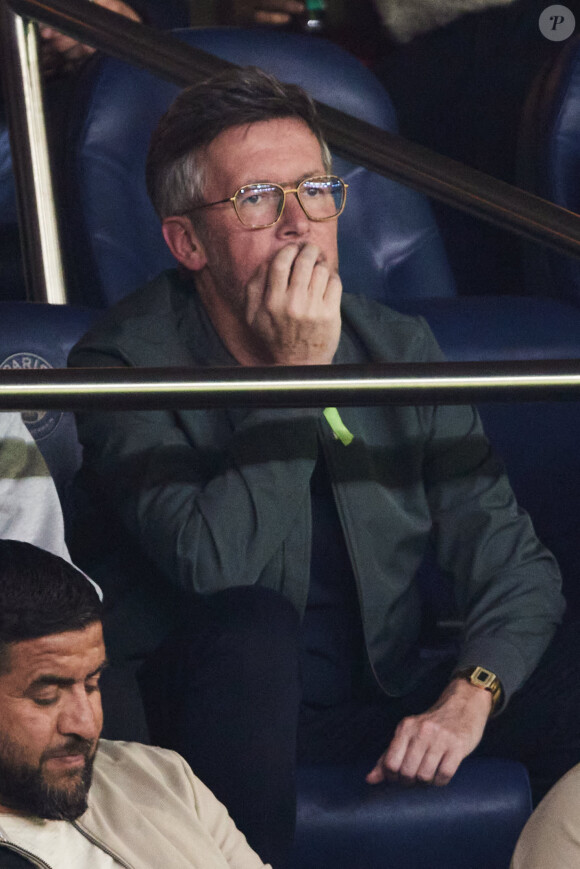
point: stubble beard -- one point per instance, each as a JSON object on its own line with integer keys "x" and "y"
{"x": 25, "y": 789}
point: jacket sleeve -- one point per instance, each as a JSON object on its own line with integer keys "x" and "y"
{"x": 507, "y": 584}
{"x": 215, "y": 818}
{"x": 210, "y": 515}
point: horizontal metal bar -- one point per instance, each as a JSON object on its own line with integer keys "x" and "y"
{"x": 300, "y": 386}
{"x": 430, "y": 173}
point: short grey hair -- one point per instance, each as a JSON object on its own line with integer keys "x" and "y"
{"x": 175, "y": 170}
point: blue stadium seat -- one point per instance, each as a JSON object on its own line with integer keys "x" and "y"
{"x": 36, "y": 337}
{"x": 346, "y": 824}
{"x": 10, "y": 262}
{"x": 7, "y": 193}
{"x": 549, "y": 165}
{"x": 389, "y": 243}
{"x": 113, "y": 226}
{"x": 163, "y": 14}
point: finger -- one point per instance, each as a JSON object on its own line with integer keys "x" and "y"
{"x": 256, "y": 296}
{"x": 61, "y": 43}
{"x": 389, "y": 763}
{"x": 384, "y": 771}
{"x": 317, "y": 287}
{"x": 256, "y": 291}
{"x": 272, "y": 19}
{"x": 303, "y": 269}
{"x": 395, "y": 754}
{"x": 120, "y": 8}
{"x": 290, "y": 7}
{"x": 333, "y": 291}
{"x": 377, "y": 773}
{"x": 430, "y": 767}
{"x": 280, "y": 271}
{"x": 414, "y": 758}
{"x": 277, "y": 13}
{"x": 77, "y": 52}
{"x": 448, "y": 766}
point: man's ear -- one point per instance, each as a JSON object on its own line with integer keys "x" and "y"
{"x": 184, "y": 243}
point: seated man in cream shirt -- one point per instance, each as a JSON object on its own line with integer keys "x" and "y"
{"x": 67, "y": 799}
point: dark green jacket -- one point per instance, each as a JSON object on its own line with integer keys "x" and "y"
{"x": 219, "y": 498}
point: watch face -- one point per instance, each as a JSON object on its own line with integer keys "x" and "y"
{"x": 483, "y": 678}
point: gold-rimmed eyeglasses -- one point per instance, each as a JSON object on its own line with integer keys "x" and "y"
{"x": 261, "y": 204}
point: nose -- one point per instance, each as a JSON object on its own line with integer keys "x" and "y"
{"x": 81, "y": 715}
{"x": 293, "y": 221}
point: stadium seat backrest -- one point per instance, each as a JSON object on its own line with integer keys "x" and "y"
{"x": 389, "y": 244}
{"x": 549, "y": 165}
{"x": 35, "y": 336}
{"x": 11, "y": 279}
{"x": 7, "y": 193}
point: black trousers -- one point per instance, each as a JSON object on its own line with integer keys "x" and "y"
{"x": 224, "y": 692}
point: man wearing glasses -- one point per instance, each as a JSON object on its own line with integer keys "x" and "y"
{"x": 265, "y": 269}
{"x": 291, "y": 538}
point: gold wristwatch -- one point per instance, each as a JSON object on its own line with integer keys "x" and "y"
{"x": 482, "y": 678}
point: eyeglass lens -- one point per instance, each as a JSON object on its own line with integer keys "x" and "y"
{"x": 261, "y": 204}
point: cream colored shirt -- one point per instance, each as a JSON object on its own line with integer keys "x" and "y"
{"x": 551, "y": 838}
{"x": 148, "y": 809}
{"x": 57, "y": 843}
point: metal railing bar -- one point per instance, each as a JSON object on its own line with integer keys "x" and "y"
{"x": 456, "y": 184}
{"x": 301, "y": 386}
{"x": 436, "y": 176}
{"x": 41, "y": 250}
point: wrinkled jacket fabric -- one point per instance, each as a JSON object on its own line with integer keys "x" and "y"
{"x": 221, "y": 497}
{"x": 147, "y": 809}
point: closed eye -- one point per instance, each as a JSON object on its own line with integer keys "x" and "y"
{"x": 91, "y": 687}
{"x": 45, "y": 701}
